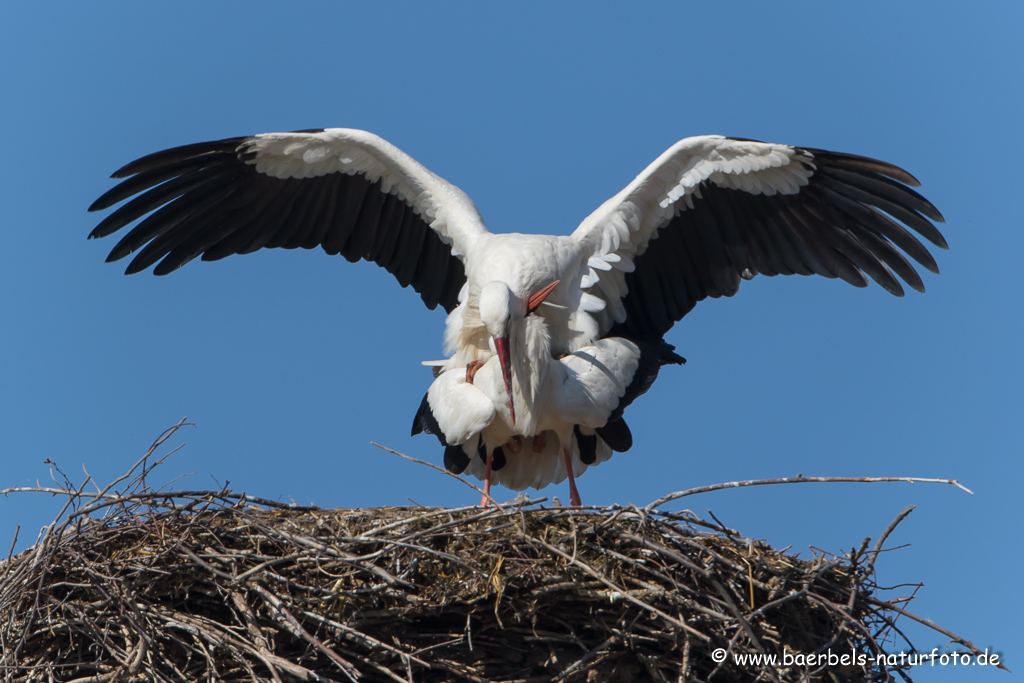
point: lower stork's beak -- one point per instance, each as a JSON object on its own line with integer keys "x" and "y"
{"x": 501, "y": 346}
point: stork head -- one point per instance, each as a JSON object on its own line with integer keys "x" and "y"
{"x": 500, "y": 309}
{"x": 497, "y": 306}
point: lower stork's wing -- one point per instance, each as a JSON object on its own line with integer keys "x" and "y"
{"x": 346, "y": 191}
{"x": 711, "y": 211}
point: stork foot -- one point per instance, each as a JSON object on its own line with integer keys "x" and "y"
{"x": 471, "y": 368}
{"x": 515, "y": 444}
{"x": 539, "y": 442}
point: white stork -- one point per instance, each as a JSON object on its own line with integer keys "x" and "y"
{"x": 707, "y": 213}
{"x": 579, "y": 403}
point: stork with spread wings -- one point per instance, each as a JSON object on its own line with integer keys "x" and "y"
{"x": 708, "y": 213}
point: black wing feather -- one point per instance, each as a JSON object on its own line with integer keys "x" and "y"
{"x": 361, "y": 236}
{"x": 587, "y": 445}
{"x": 155, "y": 197}
{"x": 305, "y": 213}
{"x": 617, "y": 435}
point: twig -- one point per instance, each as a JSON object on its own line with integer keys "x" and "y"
{"x": 293, "y": 625}
{"x": 798, "y": 480}
{"x": 885, "y": 534}
{"x": 932, "y": 625}
{"x": 441, "y": 470}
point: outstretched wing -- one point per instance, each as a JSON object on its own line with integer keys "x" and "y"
{"x": 346, "y": 191}
{"x": 712, "y": 210}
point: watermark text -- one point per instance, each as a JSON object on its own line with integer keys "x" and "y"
{"x": 854, "y": 658}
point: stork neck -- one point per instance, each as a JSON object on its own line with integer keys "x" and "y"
{"x": 531, "y": 358}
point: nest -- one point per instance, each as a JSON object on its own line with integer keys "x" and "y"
{"x": 186, "y": 586}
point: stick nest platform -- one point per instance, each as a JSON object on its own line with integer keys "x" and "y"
{"x": 216, "y": 586}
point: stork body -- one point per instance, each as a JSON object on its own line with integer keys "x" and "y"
{"x": 708, "y": 213}
{"x": 575, "y": 418}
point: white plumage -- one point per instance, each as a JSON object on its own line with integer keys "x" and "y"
{"x": 707, "y": 213}
{"x": 579, "y": 391}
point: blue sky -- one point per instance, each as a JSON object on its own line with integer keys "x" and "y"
{"x": 291, "y": 363}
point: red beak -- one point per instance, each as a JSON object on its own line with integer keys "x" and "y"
{"x": 537, "y": 298}
{"x": 501, "y": 346}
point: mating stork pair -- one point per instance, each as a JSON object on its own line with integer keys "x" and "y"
{"x": 548, "y": 337}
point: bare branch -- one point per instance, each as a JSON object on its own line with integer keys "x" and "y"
{"x": 800, "y": 479}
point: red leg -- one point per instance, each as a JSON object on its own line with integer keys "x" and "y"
{"x": 574, "y": 495}
{"x": 484, "y": 499}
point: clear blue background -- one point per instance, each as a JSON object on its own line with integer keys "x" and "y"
{"x": 290, "y": 363}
